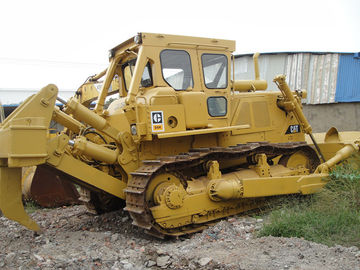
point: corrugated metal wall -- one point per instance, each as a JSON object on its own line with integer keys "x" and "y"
{"x": 270, "y": 66}
{"x": 348, "y": 85}
{"x": 317, "y": 73}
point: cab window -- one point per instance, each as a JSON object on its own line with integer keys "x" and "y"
{"x": 176, "y": 69}
{"x": 215, "y": 70}
{"x": 217, "y": 106}
{"x": 128, "y": 71}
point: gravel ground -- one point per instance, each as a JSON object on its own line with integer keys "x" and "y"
{"x": 75, "y": 239}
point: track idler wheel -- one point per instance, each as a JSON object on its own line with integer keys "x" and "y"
{"x": 172, "y": 194}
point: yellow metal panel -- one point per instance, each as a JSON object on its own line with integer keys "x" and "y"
{"x": 244, "y": 114}
{"x": 174, "y": 120}
{"x": 261, "y": 114}
{"x": 196, "y": 114}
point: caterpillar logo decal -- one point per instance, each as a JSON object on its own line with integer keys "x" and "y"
{"x": 157, "y": 121}
{"x": 293, "y": 129}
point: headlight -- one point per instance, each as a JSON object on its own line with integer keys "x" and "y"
{"x": 111, "y": 54}
{"x": 137, "y": 38}
{"x": 133, "y": 129}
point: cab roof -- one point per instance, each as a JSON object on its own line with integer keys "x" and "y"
{"x": 168, "y": 41}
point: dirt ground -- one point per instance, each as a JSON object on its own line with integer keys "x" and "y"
{"x": 73, "y": 238}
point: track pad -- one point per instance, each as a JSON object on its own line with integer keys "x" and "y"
{"x": 11, "y": 198}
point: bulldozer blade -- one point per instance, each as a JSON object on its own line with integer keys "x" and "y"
{"x": 11, "y": 203}
{"x": 47, "y": 188}
{"x": 333, "y": 140}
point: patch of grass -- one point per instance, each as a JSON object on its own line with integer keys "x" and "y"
{"x": 329, "y": 217}
{"x": 31, "y": 206}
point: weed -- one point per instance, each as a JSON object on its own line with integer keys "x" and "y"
{"x": 31, "y": 206}
{"x": 329, "y": 217}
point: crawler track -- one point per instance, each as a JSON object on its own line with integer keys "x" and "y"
{"x": 139, "y": 208}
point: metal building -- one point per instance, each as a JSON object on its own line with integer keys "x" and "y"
{"x": 332, "y": 81}
{"x": 348, "y": 84}
{"x": 327, "y": 77}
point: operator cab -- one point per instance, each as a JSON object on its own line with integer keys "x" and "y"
{"x": 166, "y": 70}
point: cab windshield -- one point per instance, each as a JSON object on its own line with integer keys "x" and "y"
{"x": 128, "y": 72}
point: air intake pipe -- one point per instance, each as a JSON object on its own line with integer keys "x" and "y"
{"x": 251, "y": 85}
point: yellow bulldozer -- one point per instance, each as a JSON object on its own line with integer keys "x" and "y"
{"x": 185, "y": 143}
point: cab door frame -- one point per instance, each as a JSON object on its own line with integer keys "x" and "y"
{"x": 218, "y": 92}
